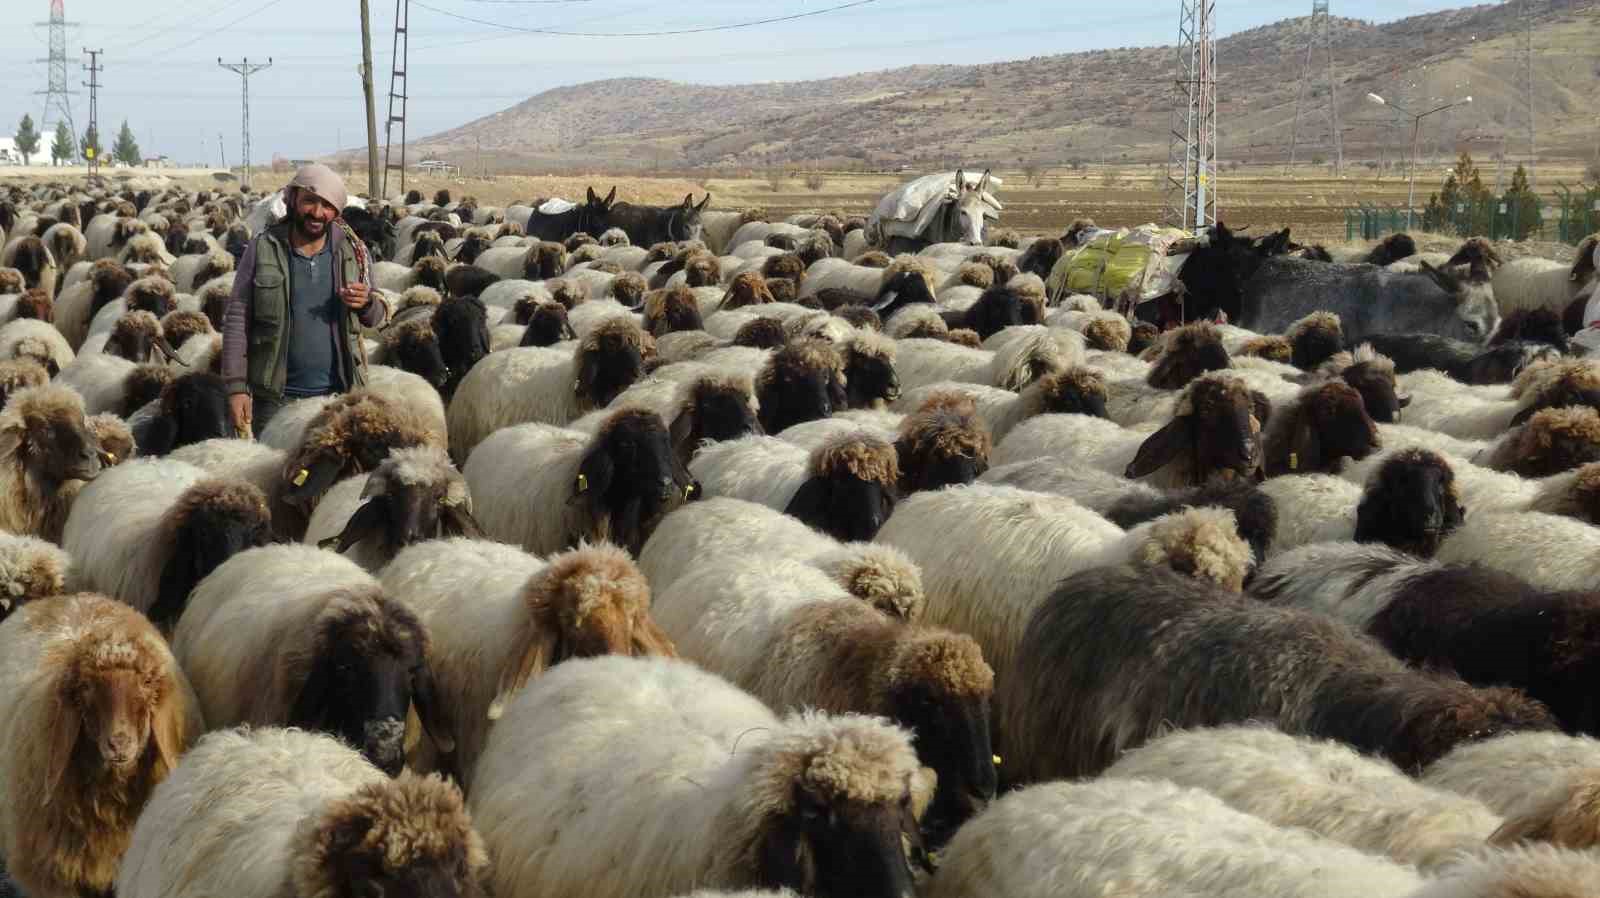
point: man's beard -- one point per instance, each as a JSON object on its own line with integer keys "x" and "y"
{"x": 302, "y": 224}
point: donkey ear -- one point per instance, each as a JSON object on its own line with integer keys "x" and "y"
{"x": 703, "y": 204}
{"x": 1446, "y": 281}
{"x": 688, "y": 200}
{"x": 983, "y": 182}
{"x": 612, "y": 196}
{"x": 1161, "y": 448}
{"x": 592, "y": 198}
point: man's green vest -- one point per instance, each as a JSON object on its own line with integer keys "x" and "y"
{"x": 267, "y": 357}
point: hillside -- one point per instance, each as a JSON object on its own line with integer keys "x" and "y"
{"x": 1112, "y": 105}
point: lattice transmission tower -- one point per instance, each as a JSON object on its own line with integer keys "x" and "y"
{"x": 398, "y": 91}
{"x": 244, "y": 69}
{"x": 1525, "y": 73}
{"x": 1192, "y": 150}
{"x": 57, "y": 97}
{"x": 1321, "y": 31}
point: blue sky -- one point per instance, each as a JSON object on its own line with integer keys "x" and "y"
{"x": 162, "y": 74}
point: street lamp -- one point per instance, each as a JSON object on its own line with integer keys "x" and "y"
{"x": 1416, "y": 128}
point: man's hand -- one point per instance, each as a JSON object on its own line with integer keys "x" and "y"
{"x": 356, "y": 295}
{"x": 241, "y": 406}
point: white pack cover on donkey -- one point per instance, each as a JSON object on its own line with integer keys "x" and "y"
{"x": 909, "y": 210}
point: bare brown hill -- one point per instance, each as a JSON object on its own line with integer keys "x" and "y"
{"x": 1104, "y": 105}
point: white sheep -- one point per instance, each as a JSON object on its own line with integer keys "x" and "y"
{"x": 921, "y": 361}
{"x": 1535, "y": 283}
{"x": 879, "y": 575}
{"x": 415, "y": 494}
{"x": 1514, "y": 771}
{"x": 704, "y": 785}
{"x": 290, "y": 635}
{"x": 30, "y": 569}
{"x": 526, "y": 615}
{"x": 145, "y": 532}
{"x": 1019, "y": 545}
{"x": 321, "y": 821}
{"x": 35, "y": 339}
{"x": 1322, "y": 786}
{"x": 1467, "y": 415}
{"x": 1076, "y": 390}
{"x": 100, "y": 379}
{"x": 1144, "y": 839}
{"x": 1546, "y": 550}
{"x": 548, "y": 385}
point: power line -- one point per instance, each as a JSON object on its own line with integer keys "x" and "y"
{"x": 679, "y": 31}
{"x": 195, "y": 40}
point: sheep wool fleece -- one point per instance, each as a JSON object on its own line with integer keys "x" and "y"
{"x": 256, "y": 326}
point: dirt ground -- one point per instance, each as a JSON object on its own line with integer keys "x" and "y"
{"x": 1313, "y": 204}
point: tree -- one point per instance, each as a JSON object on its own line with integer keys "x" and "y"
{"x": 1033, "y": 173}
{"x": 27, "y": 139}
{"x": 1522, "y": 216}
{"x": 126, "y": 149}
{"x": 62, "y": 148}
{"x": 90, "y": 141}
{"x": 1463, "y": 205}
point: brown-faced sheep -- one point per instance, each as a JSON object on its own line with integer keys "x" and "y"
{"x": 322, "y": 822}
{"x": 44, "y": 443}
{"x": 1315, "y": 339}
{"x": 290, "y": 635}
{"x": 33, "y": 259}
{"x": 568, "y": 486}
{"x": 1372, "y": 374}
{"x": 747, "y": 288}
{"x": 352, "y": 434}
{"x": 1552, "y": 441}
{"x": 1187, "y": 353}
{"x": 20, "y": 374}
{"x": 1314, "y": 434}
{"x": 669, "y": 310}
{"x": 179, "y": 326}
{"x": 943, "y": 443}
{"x": 528, "y": 616}
{"x": 95, "y": 714}
{"x": 30, "y": 569}
{"x": 1145, "y": 651}
{"x": 549, "y": 385}
{"x": 137, "y": 337}
{"x": 415, "y": 494}
{"x": 35, "y": 304}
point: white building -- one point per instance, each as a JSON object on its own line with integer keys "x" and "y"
{"x": 8, "y": 152}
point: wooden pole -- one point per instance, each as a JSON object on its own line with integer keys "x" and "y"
{"x": 372, "y": 114}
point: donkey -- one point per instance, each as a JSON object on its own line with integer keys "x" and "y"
{"x": 592, "y": 217}
{"x": 1369, "y": 299}
{"x": 959, "y": 220}
{"x": 649, "y": 225}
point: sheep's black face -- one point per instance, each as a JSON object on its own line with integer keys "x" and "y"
{"x": 1378, "y": 394}
{"x": 801, "y": 396}
{"x": 61, "y": 450}
{"x": 1344, "y": 430}
{"x": 1313, "y": 346}
{"x": 471, "y": 248}
{"x": 952, "y": 737}
{"x": 718, "y": 415}
{"x": 462, "y": 329}
{"x": 845, "y": 850}
{"x": 940, "y": 470}
{"x": 210, "y": 535}
{"x": 842, "y": 506}
{"x": 1413, "y": 505}
{"x": 361, "y": 686}
{"x": 870, "y": 379}
{"x": 613, "y": 366}
{"x": 422, "y": 357}
{"x": 201, "y": 409}
{"x": 997, "y": 309}
{"x": 547, "y": 326}
{"x": 903, "y": 289}
{"x": 632, "y": 478}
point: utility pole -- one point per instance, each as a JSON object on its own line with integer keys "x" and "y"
{"x": 1527, "y": 83}
{"x": 1321, "y": 26}
{"x": 57, "y": 98}
{"x": 399, "y": 89}
{"x": 245, "y": 69}
{"x": 222, "y": 152}
{"x": 1192, "y": 148}
{"x": 94, "y": 69}
{"x": 372, "y": 111}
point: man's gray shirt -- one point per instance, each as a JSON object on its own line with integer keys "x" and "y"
{"x": 314, "y": 318}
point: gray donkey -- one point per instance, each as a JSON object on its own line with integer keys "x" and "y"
{"x": 1369, "y": 299}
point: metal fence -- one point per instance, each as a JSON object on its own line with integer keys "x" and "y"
{"x": 1571, "y": 215}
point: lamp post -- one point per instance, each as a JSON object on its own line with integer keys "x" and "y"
{"x": 1416, "y": 128}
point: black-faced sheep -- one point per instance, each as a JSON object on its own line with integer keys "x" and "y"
{"x": 1073, "y": 391}
{"x": 1021, "y": 544}
{"x": 415, "y": 494}
{"x": 802, "y": 381}
{"x": 845, "y": 487}
{"x": 30, "y": 569}
{"x": 323, "y": 821}
{"x": 352, "y": 434}
{"x": 548, "y": 385}
{"x": 527, "y": 616}
{"x": 1187, "y": 353}
{"x": 795, "y": 639}
{"x": 1316, "y": 338}
{"x": 1489, "y": 627}
{"x": 31, "y": 257}
{"x": 1145, "y": 651}
{"x": 291, "y": 635}
{"x": 943, "y": 443}
{"x": 669, "y": 310}
{"x": 545, "y": 488}
{"x": 1316, "y": 432}
{"x": 146, "y": 532}
{"x": 816, "y": 802}
{"x": 94, "y": 713}
{"x": 190, "y": 408}
{"x": 44, "y": 443}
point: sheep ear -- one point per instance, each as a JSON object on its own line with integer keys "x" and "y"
{"x": 369, "y": 520}
{"x": 431, "y": 711}
{"x": 312, "y": 480}
{"x": 156, "y": 436}
{"x": 310, "y": 705}
{"x": 1161, "y": 447}
{"x": 1517, "y": 420}
{"x": 63, "y": 737}
{"x": 168, "y": 733}
{"x": 810, "y": 503}
{"x": 12, "y": 440}
{"x": 456, "y": 520}
{"x": 542, "y": 650}
{"x": 176, "y": 583}
{"x": 785, "y": 860}
{"x": 650, "y": 640}
{"x": 679, "y": 433}
{"x": 1305, "y": 453}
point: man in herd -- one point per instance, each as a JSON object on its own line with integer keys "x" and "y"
{"x": 301, "y": 295}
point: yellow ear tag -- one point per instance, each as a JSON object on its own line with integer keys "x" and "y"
{"x": 111, "y": 457}
{"x": 300, "y": 478}
{"x": 1294, "y": 461}
{"x": 997, "y": 760}
{"x": 583, "y": 483}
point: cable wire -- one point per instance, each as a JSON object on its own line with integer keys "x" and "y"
{"x": 671, "y": 33}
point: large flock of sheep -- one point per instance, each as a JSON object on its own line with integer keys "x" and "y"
{"x": 667, "y": 551}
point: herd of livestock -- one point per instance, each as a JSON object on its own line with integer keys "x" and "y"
{"x": 669, "y": 551}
